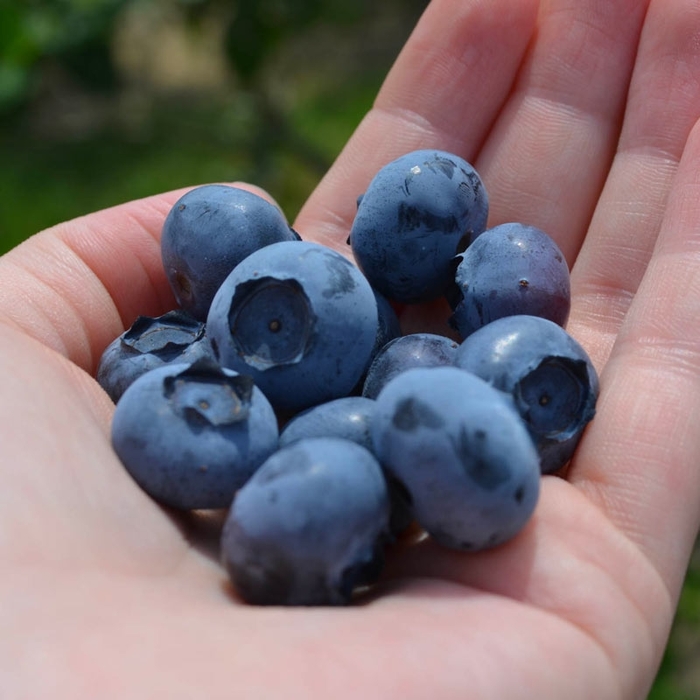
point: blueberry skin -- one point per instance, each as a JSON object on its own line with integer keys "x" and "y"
{"x": 309, "y": 527}
{"x": 349, "y": 418}
{"x": 300, "y": 319}
{"x": 149, "y": 343}
{"x": 418, "y": 212}
{"x": 208, "y": 231}
{"x": 550, "y": 376}
{"x": 389, "y": 324}
{"x": 408, "y": 351}
{"x": 509, "y": 269}
{"x": 462, "y": 453}
{"x": 191, "y": 435}
{"x": 389, "y": 327}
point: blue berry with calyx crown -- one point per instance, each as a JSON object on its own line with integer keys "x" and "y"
{"x": 462, "y": 453}
{"x": 309, "y": 527}
{"x": 192, "y": 434}
{"x": 298, "y": 317}
{"x": 149, "y": 343}
{"x": 547, "y": 372}
{"x": 208, "y": 231}
{"x": 417, "y": 213}
{"x": 509, "y": 269}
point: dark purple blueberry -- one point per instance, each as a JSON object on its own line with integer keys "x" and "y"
{"x": 417, "y": 213}
{"x": 208, "y": 231}
{"x": 191, "y": 435}
{"x": 389, "y": 325}
{"x": 462, "y": 453}
{"x": 548, "y": 373}
{"x": 150, "y": 343}
{"x": 388, "y": 328}
{"x": 406, "y": 352}
{"x": 309, "y": 527}
{"x": 509, "y": 269}
{"x": 300, "y": 319}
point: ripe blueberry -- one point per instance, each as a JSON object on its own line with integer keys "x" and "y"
{"x": 509, "y": 269}
{"x": 191, "y": 435}
{"x": 300, "y": 319}
{"x": 149, "y": 343}
{"x": 418, "y": 212}
{"x": 309, "y": 526}
{"x": 547, "y": 372}
{"x": 208, "y": 231}
{"x": 411, "y": 350}
{"x": 350, "y": 418}
{"x": 462, "y": 453}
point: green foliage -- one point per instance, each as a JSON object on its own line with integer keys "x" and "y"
{"x": 258, "y": 28}
{"x": 244, "y": 133}
{"x": 33, "y": 30}
{"x": 76, "y": 35}
{"x": 46, "y": 182}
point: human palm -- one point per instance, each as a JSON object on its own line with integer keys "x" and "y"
{"x": 580, "y": 117}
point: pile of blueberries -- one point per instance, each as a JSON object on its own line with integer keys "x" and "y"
{"x": 283, "y": 390}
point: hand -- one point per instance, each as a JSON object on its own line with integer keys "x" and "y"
{"x": 581, "y": 118}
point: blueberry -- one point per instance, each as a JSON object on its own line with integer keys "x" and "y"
{"x": 308, "y": 528}
{"x": 418, "y": 212}
{"x": 350, "y": 418}
{"x": 300, "y": 319}
{"x": 191, "y": 435}
{"x": 208, "y": 231}
{"x": 408, "y": 351}
{"x": 149, "y": 343}
{"x": 509, "y": 269}
{"x": 548, "y": 373}
{"x": 389, "y": 324}
{"x": 388, "y": 329}
{"x": 462, "y": 453}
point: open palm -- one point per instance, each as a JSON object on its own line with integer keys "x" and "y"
{"x": 581, "y": 118}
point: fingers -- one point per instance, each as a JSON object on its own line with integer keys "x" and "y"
{"x": 67, "y": 502}
{"x": 547, "y": 157}
{"x": 638, "y": 460}
{"x": 663, "y": 104}
{"x": 77, "y": 286}
{"x": 444, "y": 91}
{"x": 571, "y": 564}
{"x": 84, "y": 281}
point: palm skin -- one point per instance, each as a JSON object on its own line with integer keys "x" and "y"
{"x": 581, "y": 118}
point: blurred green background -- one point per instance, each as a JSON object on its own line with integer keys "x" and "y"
{"x": 103, "y": 101}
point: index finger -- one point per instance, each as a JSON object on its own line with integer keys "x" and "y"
{"x": 444, "y": 91}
